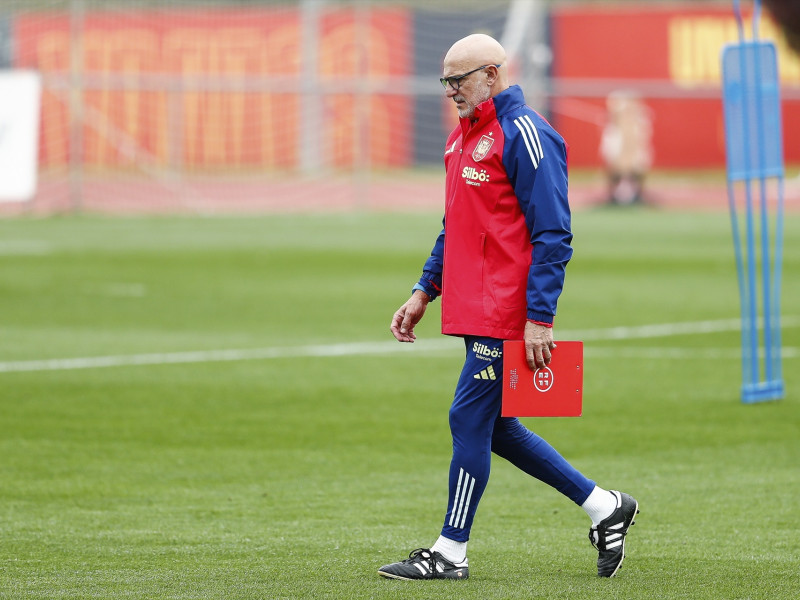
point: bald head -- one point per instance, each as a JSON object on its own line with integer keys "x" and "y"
{"x": 468, "y": 55}
{"x": 477, "y": 48}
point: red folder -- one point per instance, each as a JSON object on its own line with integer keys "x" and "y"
{"x": 554, "y": 391}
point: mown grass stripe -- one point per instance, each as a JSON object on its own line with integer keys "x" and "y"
{"x": 392, "y": 347}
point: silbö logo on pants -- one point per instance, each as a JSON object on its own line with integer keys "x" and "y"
{"x": 484, "y": 352}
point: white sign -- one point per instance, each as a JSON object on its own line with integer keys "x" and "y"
{"x": 20, "y": 99}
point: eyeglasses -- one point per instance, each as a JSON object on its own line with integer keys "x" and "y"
{"x": 455, "y": 81}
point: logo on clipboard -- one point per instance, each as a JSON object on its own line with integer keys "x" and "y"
{"x": 543, "y": 379}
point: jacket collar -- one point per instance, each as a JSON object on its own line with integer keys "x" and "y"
{"x": 496, "y": 106}
{"x": 510, "y": 98}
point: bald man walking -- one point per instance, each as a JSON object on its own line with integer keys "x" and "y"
{"x": 499, "y": 266}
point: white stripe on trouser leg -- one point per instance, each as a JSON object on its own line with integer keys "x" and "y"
{"x": 466, "y": 506}
{"x": 461, "y": 500}
{"x": 455, "y": 500}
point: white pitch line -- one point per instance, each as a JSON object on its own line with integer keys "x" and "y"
{"x": 25, "y": 248}
{"x": 678, "y": 353}
{"x": 665, "y": 329}
{"x": 393, "y": 347}
{"x": 200, "y": 356}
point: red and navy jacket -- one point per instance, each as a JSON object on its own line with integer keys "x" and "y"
{"x": 501, "y": 256}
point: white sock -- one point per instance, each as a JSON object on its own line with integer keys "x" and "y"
{"x": 455, "y": 552}
{"x": 600, "y": 504}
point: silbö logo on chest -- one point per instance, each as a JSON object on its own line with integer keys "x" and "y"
{"x": 474, "y": 177}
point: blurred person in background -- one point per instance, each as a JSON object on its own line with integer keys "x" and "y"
{"x": 625, "y": 147}
{"x": 499, "y": 265}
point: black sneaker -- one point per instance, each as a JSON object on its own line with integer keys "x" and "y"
{"x": 609, "y": 535}
{"x": 425, "y": 564}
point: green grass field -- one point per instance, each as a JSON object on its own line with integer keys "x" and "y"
{"x": 300, "y": 461}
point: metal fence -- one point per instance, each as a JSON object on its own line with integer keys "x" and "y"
{"x": 213, "y": 106}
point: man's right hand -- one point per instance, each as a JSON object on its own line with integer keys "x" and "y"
{"x": 538, "y": 345}
{"x": 408, "y": 315}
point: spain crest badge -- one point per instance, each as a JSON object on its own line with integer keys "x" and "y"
{"x": 483, "y": 147}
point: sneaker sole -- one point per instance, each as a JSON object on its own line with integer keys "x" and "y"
{"x": 391, "y": 576}
{"x": 401, "y": 578}
{"x": 635, "y": 512}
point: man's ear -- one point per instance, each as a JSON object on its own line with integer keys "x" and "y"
{"x": 493, "y": 74}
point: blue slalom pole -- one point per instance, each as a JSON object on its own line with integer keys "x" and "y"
{"x": 754, "y": 151}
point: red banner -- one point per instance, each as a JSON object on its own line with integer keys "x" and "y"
{"x": 669, "y": 55}
{"x": 227, "y": 88}
{"x": 205, "y": 89}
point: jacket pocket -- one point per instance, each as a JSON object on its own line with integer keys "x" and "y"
{"x": 487, "y": 289}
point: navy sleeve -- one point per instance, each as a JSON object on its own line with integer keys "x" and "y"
{"x": 535, "y": 159}
{"x": 431, "y": 280}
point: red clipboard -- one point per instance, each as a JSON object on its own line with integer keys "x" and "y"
{"x": 554, "y": 391}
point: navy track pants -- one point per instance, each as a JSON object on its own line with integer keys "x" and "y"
{"x": 478, "y": 430}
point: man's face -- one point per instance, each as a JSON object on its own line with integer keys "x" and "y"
{"x": 472, "y": 89}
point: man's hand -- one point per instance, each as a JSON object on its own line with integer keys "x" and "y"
{"x": 538, "y": 344}
{"x": 408, "y": 315}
